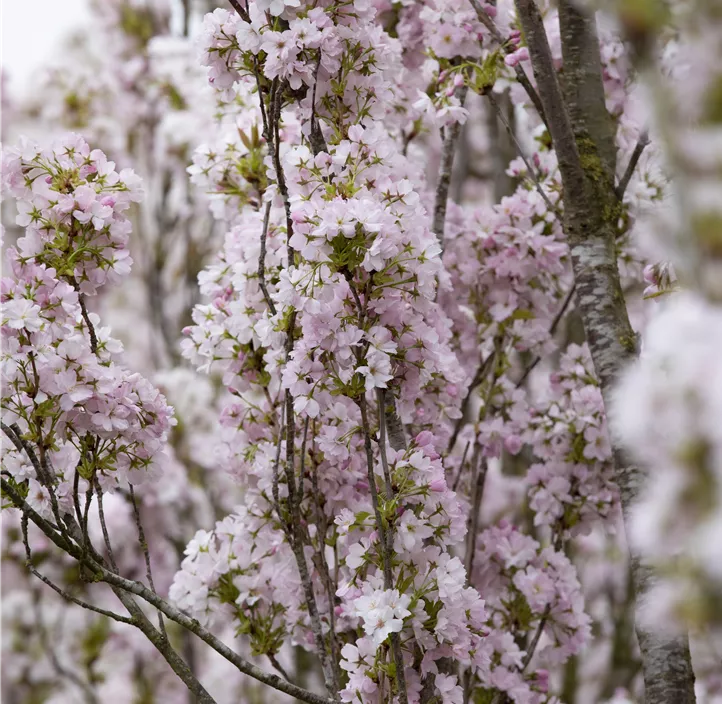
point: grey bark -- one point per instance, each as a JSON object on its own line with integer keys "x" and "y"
{"x": 590, "y": 211}
{"x": 502, "y": 149}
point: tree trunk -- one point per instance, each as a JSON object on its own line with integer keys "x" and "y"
{"x": 581, "y": 133}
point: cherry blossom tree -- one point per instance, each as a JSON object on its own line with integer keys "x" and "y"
{"x": 377, "y": 467}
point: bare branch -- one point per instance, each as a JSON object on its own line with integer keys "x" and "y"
{"x": 451, "y": 137}
{"x": 91, "y": 329}
{"x": 642, "y": 142}
{"x": 146, "y": 552}
{"x": 163, "y": 646}
{"x": 262, "y": 260}
{"x": 480, "y": 375}
{"x": 104, "y": 527}
{"x": 480, "y": 466}
{"x": 240, "y": 10}
{"x": 532, "y": 171}
{"x": 552, "y": 329}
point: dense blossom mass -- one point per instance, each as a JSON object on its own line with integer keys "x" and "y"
{"x": 387, "y": 473}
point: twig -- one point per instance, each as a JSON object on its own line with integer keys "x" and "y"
{"x": 14, "y": 433}
{"x": 508, "y": 48}
{"x": 164, "y": 647}
{"x": 302, "y": 470}
{"x": 174, "y": 614}
{"x": 240, "y": 10}
{"x": 481, "y": 467}
{"x": 451, "y": 138}
{"x": 277, "y": 665}
{"x": 481, "y": 373}
{"x": 380, "y": 525}
{"x": 520, "y": 151}
{"x": 642, "y": 142}
{"x": 461, "y": 466}
{"x": 73, "y": 599}
{"x": 535, "y": 640}
{"x": 552, "y": 329}
{"x": 276, "y": 99}
{"x": 318, "y": 143}
{"x": 388, "y": 548}
{"x": 262, "y": 261}
{"x": 146, "y": 551}
{"x": 91, "y": 329}
{"x": 104, "y": 527}
{"x": 274, "y": 485}
{"x": 322, "y": 564}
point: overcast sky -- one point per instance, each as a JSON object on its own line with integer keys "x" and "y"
{"x": 32, "y": 31}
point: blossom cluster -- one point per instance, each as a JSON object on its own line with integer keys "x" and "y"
{"x": 62, "y": 384}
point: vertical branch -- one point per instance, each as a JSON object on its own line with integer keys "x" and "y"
{"x": 146, "y": 551}
{"x": 395, "y": 638}
{"x": 451, "y": 137}
{"x": 262, "y": 261}
{"x": 384, "y": 530}
{"x": 480, "y": 467}
{"x": 104, "y": 527}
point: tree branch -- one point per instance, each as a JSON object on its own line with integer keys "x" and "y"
{"x": 508, "y": 48}
{"x": 642, "y": 142}
{"x": 520, "y": 151}
{"x": 146, "y": 552}
{"x": 262, "y": 261}
{"x": 451, "y": 137}
{"x": 395, "y": 639}
{"x": 174, "y": 614}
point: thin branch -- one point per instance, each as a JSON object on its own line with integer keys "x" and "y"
{"x": 104, "y": 527}
{"x": 174, "y": 614}
{"x": 277, "y": 666}
{"x": 318, "y": 143}
{"x": 240, "y": 10}
{"x": 481, "y": 467}
{"x": 499, "y": 697}
{"x": 322, "y": 564}
{"x": 531, "y": 648}
{"x": 14, "y": 433}
{"x": 552, "y": 329}
{"x": 507, "y": 47}
{"x": 91, "y": 329}
{"x": 146, "y": 551}
{"x": 480, "y": 375}
{"x": 277, "y": 462}
{"x": 164, "y": 647}
{"x": 461, "y": 466}
{"x": 642, "y": 142}
{"x": 520, "y": 151}
{"x": 451, "y": 137}
{"x": 302, "y": 470}
{"x": 262, "y": 261}
{"x": 276, "y": 99}
{"x": 389, "y": 547}
{"x": 66, "y": 595}
{"x": 380, "y": 524}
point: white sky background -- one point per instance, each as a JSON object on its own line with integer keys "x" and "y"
{"x": 33, "y": 32}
